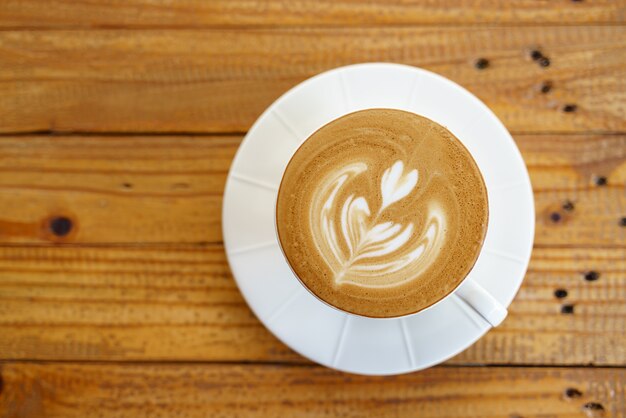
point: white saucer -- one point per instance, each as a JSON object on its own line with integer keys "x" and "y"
{"x": 317, "y": 331}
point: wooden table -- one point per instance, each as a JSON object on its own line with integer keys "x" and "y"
{"x": 118, "y": 123}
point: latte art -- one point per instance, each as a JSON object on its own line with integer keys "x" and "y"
{"x": 381, "y": 213}
{"x": 369, "y": 242}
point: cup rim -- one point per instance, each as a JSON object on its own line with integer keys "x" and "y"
{"x": 382, "y": 318}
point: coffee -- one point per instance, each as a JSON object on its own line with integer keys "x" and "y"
{"x": 381, "y": 213}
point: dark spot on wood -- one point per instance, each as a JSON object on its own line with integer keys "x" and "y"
{"x": 535, "y": 54}
{"x": 622, "y": 221}
{"x": 600, "y": 180}
{"x": 180, "y": 186}
{"x": 393, "y": 401}
{"x": 568, "y": 205}
{"x": 577, "y": 1}
{"x": 481, "y": 63}
{"x": 573, "y": 393}
{"x": 569, "y": 108}
{"x": 127, "y": 185}
{"x": 60, "y": 226}
{"x": 592, "y": 276}
{"x": 560, "y": 293}
{"x": 545, "y": 87}
{"x": 555, "y": 217}
{"x": 306, "y": 381}
{"x": 544, "y": 61}
{"x": 567, "y": 309}
{"x": 593, "y": 406}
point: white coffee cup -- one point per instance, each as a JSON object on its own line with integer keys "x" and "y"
{"x": 468, "y": 290}
{"x": 349, "y": 342}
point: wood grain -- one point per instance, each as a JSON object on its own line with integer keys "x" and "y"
{"x": 163, "y": 189}
{"x": 135, "y": 312}
{"x": 198, "y": 13}
{"x": 83, "y": 390}
{"x": 181, "y": 303}
{"x": 221, "y": 80}
{"x": 115, "y": 189}
{"x": 563, "y": 170}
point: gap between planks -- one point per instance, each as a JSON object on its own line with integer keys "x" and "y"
{"x": 237, "y": 134}
{"x": 303, "y": 363}
{"x": 236, "y": 27}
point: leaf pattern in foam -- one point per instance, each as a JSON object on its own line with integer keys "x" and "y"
{"x": 378, "y": 246}
{"x": 353, "y": 222}
{"x": 365, "y": 239}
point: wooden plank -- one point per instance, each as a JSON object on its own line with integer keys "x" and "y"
{"x": 142, "y": 304}
{"x": 137, "y": 189}
{"x": 201, "y": 390}
{"x": 180, "y": 303}
{"x": 198, "y": 13}
{"x": 221, "y": 80}
{"x": 115, "y": 189}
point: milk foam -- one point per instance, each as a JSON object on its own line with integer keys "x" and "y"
{"x": 375, "y": 249}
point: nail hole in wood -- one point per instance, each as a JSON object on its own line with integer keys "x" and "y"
{"x": 60, "y": 226}
{"x": 573, "y": 393}
{"x": 593, "y": 406}
{"x": 560, "y": 293}
{"x": 555, "y": 217}
{"x": 568, "y": 205}
{"x": 535, "y": 54}
{"x": 569, "y": 108}
{"x": 622, "y": 221}
{"x": 600, "y": 180}
{"x": 592, "y": 276}
{"x": 544, "y": 61}
{"x": 127, "y": 185}
{"x": 545, "y": 87}
{"x": 567, "y": 309}
{"x": 481, "y": 63}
